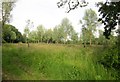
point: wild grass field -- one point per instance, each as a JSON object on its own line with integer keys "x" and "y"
{"x": 52, "y": 62}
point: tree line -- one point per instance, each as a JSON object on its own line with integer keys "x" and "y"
{"x": 62, "y": 33}
{"x": 59, "y": 34}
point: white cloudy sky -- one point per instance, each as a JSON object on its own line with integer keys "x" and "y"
{"x": 45, "y": 12}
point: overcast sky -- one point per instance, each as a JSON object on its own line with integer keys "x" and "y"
{"x": 47, "y": 13}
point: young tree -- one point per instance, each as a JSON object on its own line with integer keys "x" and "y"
{"x": 27, "y": 30}
{"x": 84, "y": 36}
{"x": 90, "y": 23}
{"x": 6, "y": 11}
{"x": 66, "y": 28}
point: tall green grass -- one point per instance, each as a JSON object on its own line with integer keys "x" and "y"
{"x": 0, "y": 62}
{"x": 51, "y": 62}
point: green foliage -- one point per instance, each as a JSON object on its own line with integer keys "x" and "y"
{"x": 85, "y": 36}
{"x": 90, "y": 19}
{"x": 48, "y": 35}
{"x": 26, "y": 31}
{"x": 109, "y": 12}
{"x": 74, "y": 37}
{"x": 67, "y": 30}
{"x": 110, "y": 54}
{"x": 13, "y": 35}
{"x": 56, "y": 34}
{"x": 110, "y": 59}
{"x": 109, "y": 15}
{"x": 40, "y": 32}
{"x": 33, "y": 36}
{"x": 10, "y": 33}
{"x": 60, "y": 34}
{"x": 29, "y": 25}
{"x": 89, "y": 24}
{"x": 101, "y": 40}
{"x": 6, "y": 11}
{"x": 6, "y": 33}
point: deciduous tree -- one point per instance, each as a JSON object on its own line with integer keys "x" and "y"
{"x": 27, "y": 30}
{"x": 66, "y": 28}
{"x": 90, "y": 23}
{"x": 7, "y": 7}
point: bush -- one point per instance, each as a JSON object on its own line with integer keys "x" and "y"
{"x": 110, "y": 58}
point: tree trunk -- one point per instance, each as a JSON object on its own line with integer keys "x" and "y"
{"x": 3, "y": 18}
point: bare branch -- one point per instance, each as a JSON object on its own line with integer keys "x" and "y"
{"x": 72, "y": 4}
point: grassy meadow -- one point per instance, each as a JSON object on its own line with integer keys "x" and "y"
{"x": 53, "y": 62}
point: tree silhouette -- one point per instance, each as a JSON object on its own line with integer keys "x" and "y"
{"x": 71, "y": 4}
{"x": 109, "y": 12}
